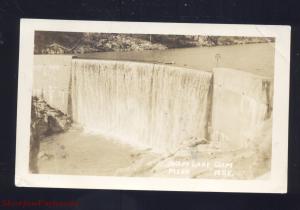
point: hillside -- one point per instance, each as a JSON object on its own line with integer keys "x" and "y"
{"x": 80, "y": 43}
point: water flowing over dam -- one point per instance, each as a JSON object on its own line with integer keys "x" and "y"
{"x": 153, "y": 105}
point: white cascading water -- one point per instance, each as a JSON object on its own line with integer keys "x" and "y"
{"x": 151, "y": 105}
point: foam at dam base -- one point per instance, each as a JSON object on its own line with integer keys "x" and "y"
{"x": 155, "y": 105}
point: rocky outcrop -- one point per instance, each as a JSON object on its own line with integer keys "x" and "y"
{"x": 45, "y": 121}
{"x": 48, "y": 119}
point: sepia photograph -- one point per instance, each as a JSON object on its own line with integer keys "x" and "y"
{"x": 145, "y": 106}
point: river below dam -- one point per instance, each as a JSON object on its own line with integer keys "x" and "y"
{"x": 81, "y": 153}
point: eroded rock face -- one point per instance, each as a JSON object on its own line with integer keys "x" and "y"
{"x": 45, "y": 121}
{"x": 49, "y": 120}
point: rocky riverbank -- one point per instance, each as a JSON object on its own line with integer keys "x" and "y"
{"x": 45, "y": 121}
{"x": 81, "y": 43}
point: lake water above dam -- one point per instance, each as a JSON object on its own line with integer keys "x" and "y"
{"x": 254, "y": 58}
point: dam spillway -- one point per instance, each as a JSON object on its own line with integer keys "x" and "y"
{"x": 155, "y": 105}
{"x": 145, "y": 104}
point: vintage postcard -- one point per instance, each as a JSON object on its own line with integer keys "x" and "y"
{"x": 153, "y": 106}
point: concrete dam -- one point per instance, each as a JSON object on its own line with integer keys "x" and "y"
{"x": 155, "y": 106}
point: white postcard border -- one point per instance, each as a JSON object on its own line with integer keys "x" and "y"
{"x": 278, "y": 180}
